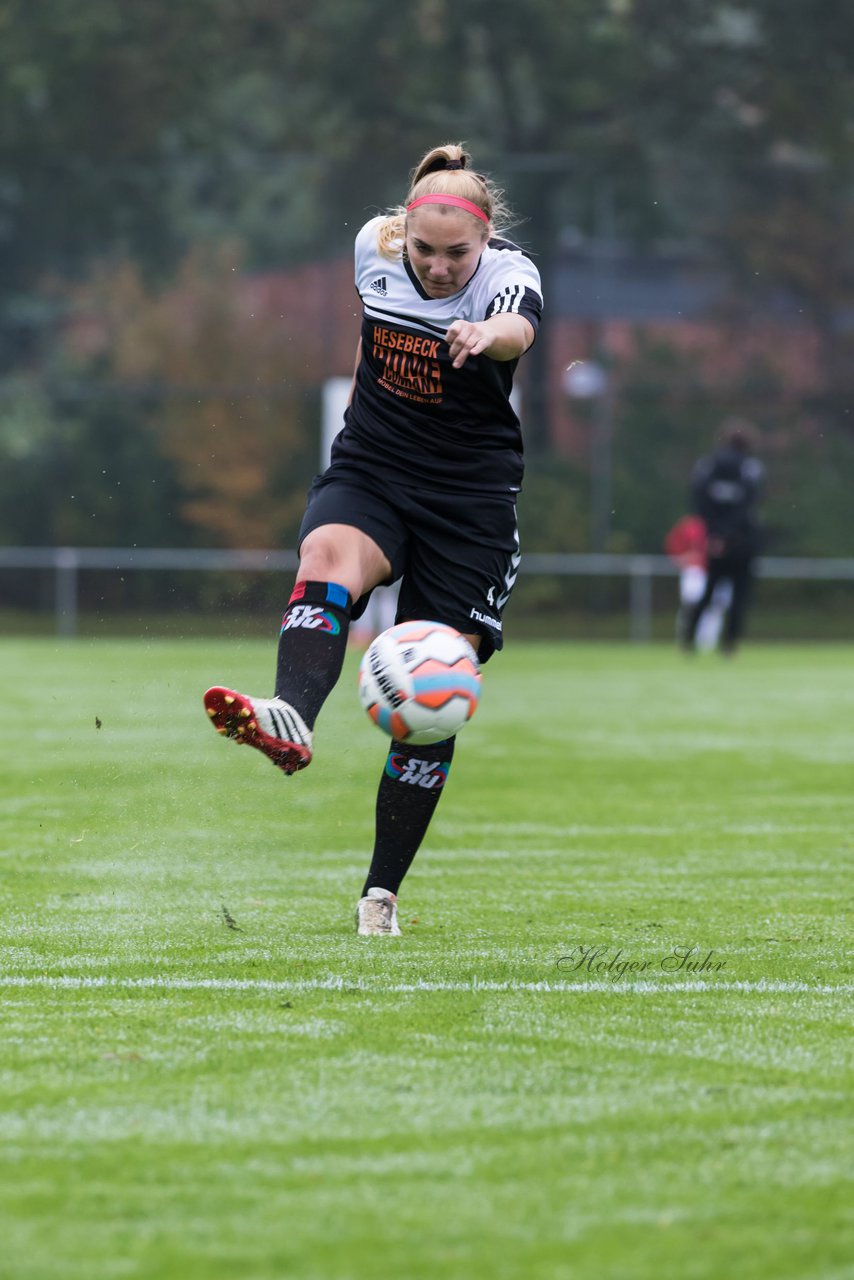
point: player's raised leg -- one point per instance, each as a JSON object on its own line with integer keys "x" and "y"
{"x": 312, "y": 645}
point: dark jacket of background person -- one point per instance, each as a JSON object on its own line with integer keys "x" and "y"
{"x": 726, "y": 487}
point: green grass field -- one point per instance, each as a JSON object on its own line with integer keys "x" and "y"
{"x": 206, "y": 1074}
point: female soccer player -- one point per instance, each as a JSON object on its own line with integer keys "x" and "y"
{"x": 421, "y": 486}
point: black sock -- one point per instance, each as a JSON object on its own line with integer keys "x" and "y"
{"x": 312, "y": 645}
{"x": 408, "y": 793}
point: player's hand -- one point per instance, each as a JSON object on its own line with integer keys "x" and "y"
{"x": 467, "y": 338}
{"x": 502, "y": 337}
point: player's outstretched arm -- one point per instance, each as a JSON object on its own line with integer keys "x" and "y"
{"x": 499, "y": 337}
{"x": 355, "y": 367}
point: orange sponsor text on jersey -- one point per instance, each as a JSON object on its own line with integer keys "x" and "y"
{"x": 410, "y": 363}
{"x": 408, "y": 342}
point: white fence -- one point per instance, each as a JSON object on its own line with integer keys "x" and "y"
{"x": 640, "y": 570}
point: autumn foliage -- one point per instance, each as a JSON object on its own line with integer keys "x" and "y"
{"x": 220, "y": 379}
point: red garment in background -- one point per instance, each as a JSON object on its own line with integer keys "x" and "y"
{"x": 687, "y": 543}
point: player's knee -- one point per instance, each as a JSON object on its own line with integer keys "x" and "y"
{"x": 320, "y": 558}
{"x": 325, "y": 557}
{"x": 338, "y": 553}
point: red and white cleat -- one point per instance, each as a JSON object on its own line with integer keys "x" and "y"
{"x": 268, "y": 724}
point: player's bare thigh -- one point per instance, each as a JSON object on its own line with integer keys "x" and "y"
{"x": 343, "y": 554}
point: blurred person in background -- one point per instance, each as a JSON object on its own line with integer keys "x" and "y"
{"x": 726, "y": 487}
{"x": 687, "y": 545}
{"x": 421, "y": 486}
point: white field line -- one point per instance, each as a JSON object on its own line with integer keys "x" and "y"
{"x": 639, "y": 988}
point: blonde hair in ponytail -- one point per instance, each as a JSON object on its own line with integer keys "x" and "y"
{"x": 431, "y": 176}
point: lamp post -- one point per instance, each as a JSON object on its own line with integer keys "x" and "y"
{"x": 588, "y": 380}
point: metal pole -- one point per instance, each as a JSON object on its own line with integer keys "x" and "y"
{"x": 640, "y": 600}
{"x": 600, "y": 471}
{"x": 603, "y": 409}
{"x": 67, "y": 563}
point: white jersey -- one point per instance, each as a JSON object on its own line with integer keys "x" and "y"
{"x": 414, "y": 417}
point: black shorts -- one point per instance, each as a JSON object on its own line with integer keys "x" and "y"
{"x": 457, "y": 554}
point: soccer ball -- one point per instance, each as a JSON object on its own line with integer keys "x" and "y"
{"x": 420, "y": 681}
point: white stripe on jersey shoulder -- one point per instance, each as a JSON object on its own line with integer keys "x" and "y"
{"x": 506, "y": 274}
{"x": 403, "y": 317}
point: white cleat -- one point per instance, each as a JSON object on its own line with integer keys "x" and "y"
{"x": 376, "y": 915}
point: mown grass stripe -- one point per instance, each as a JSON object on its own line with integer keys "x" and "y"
{"x": 153, "y": 982}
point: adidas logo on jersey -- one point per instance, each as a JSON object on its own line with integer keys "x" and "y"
{"x": 380, "y": 286}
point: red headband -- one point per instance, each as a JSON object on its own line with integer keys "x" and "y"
{"x": 457, "y": 201}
